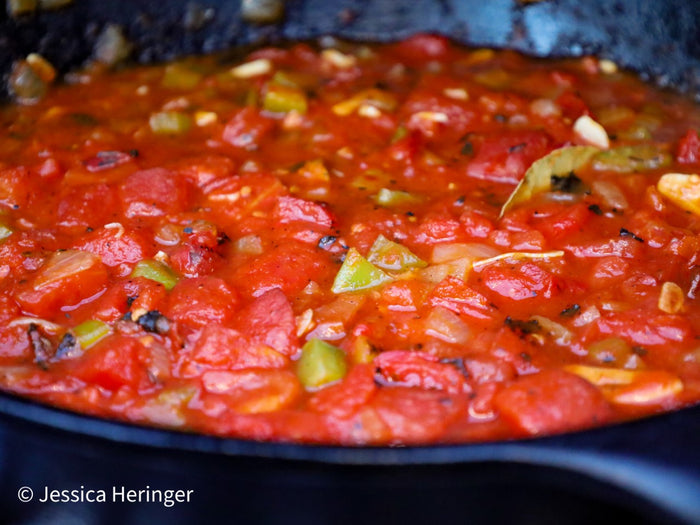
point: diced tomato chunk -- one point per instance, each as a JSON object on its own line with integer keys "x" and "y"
{"x": 65, "y": 280}
{"x": 416, "y": 369}
{"x": 343, "y": 399}
{"x": 247, "y": 128}
{"x": 220, "y": 348}
{"x": 87, "y": 206}
{"x": 506, "y": 157}
{"x": 289, "y": 267}
{"x": 645, "y": 329}
{"x": 202, "y": 301}
{"x": 253, "y": 391}
{"x": 564, "y": 222}
{"x": 550, "y": 402}
{"x": 292, "y": 209}
{"x": 15, "y": 188}
{"x": 115, "y": 246}
{"x": 689, "y": 148}
{"x": 152, "y": 193}
{"x": 525, "y": 281}
{"x": 269, "y": 320}
{"x": 454, "y": 294}
{"x": 112, "y": 363}
{"x": 415, "y": 415}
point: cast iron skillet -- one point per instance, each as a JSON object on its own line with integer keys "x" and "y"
{"x": 647, "y": 471}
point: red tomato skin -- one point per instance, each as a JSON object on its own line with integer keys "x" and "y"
{"x": 343, "y": 399}
{"x": 153, "y": 193}
{"x": 247, "y": 129}
{"x": 416, "y": 415}
{"x": 112, "y": 363}
{"x": 689, "y": 148}
{"x": 293, "y": 209}
{"x": 551, "y": 402}
{"x": 269, "y": 320}
{"x": 288, "y": 267}
{"x": 201, "y": 301}
{"x": 87, "y": 206}
{"x": 525, "y": 281}
{"x": 220, "y": 348}
{"x": 47, "y": 301}
{"x": 412, "y": 369}
{"x": 115, "y": 247}
{"x": 506, "y": 157}
{"x": 454, "y": 294}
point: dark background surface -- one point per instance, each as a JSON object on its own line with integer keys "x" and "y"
{"x": 659, "y": 38}
{"x": 642, "y": 472}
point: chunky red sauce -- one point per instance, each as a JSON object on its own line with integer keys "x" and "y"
{"x": 315, "y": 246}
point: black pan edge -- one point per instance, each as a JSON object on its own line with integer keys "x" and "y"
{"x": 657, "y": 39}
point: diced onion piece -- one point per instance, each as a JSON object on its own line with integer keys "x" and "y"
{"x": 612, "y": 351}
{"x": 451, "y": 251}
{"x": 432, "y": 116}
{"x": 115, "y": 226}
{"x": 304, "y": 322}
{"x": 63, "y": 265}
{"x": 320, "y": 364}
{"x": 681, "y": 189}
{"x": 560, "y": 334}
{"x": 587, "y": 316}
{"x": 338, "y": 59}
{"x": 166, "y": 407}
{"x": 591, "y": 132}
{"x": 5, "y": 231}
{"x": 518, "y": 256}
{"x": 544, "y": 107}
{"x": 91, "y": 332}
{"x": 447, "y": 326}
{"x": 249, "y": 244}
{"x": 46, "y": 326}
{"x": 368, "y": 111}
{"x": 671, "y": 298}
{"x": 456, "y": 93}
{"x": 254, "y": 68}
{"x": 457, "y": 268}
{"x": 611, "y": 194}
{"x": 387, "y": 197}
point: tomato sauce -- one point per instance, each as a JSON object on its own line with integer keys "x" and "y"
{"x": 400, "y": 244}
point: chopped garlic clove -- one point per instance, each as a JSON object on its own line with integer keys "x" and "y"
{"x": 591, "y": 132}
{"x": 255, "y": 68}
